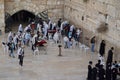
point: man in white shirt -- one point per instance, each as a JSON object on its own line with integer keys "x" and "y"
{"x": 21, "y": 55}
{"x": 78, "y": 32}
{"x": 45, "y": 29}
{"x": 20, "y": 29}
{"x": 65, "y": 39}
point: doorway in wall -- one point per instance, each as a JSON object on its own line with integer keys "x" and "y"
{"x": 23, "y": 17}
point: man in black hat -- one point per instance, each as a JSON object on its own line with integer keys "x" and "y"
{"x": 110, "y": 56}
{"x": 89, "y": 77}
{"x": 101, "y": 74}
{"x": 94, "y": 73}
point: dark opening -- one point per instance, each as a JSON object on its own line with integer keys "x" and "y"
{"x": 82, "y": 18}
{"x": 21, "y": 17}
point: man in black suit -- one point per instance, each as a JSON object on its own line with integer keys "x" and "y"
{"x": 89, "y": 77}
{"x": 110, "y": 56}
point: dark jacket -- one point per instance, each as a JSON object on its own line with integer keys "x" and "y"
{"x": 110, "y": 56}
{"x": 102, "y": 49}
{"x": 89, "y": 72}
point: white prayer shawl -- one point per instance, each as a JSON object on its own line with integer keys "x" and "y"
{"x": 61, "y": 27}
{"x": 65, "y": 39}
{"x": 29, "y": 26}
{"x": 78, "y": 31}
{"x": 26, "y": 28}
{"x": 20, "y": 28}
{"x": 5, "y": 47}
{"x": 15, "y": 39}
{"x": 33, "y": 39}
{"x": 19, "y": 51}
{"x": 39, "y": 27}
{"x": 56, "y": 36}
{"x": 50, "y": 22}
{"x": 65, "y": 22}
{"x": 23, "y": 35}
{"x": 45, "y": 29}
{"x": 53, "y": 26}
{"x": 71, "y": 28}
{"x": 9, "y": 35}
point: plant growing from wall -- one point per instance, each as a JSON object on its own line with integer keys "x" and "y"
{"x": 103, "y": 27}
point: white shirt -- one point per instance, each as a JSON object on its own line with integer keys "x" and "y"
{"x": 65, "y": 39}
{"x": 9, "y": 35}
{"x": 20, "y": 28}
{"x": 61, "y": 27}
{"x": 71, "y": 28}
{"x": 15, "y": 39}
{"x": 26, "y": 28}
{"x": 20, "y": 50}
{"x": 45, "y": 26}
{"x": 78, "y": 31}
{"x": 56, "y": 36}
{"x": 39, "y": 27}
{"x": 33, "y": 39}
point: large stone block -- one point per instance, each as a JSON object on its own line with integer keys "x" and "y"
{"x": 111, "y": 10}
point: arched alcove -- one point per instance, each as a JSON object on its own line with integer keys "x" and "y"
{"x": 20, "y": 17}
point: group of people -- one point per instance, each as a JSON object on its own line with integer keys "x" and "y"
{"x": 98, "y": 72}
{"x": 102, "y": 71}
{"x": 71, "y": 35}
{"x": 42, "y": 30}
{"x": 36, "y": 31}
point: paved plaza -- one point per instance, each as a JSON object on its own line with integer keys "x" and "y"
{"x": 71, "y": 66}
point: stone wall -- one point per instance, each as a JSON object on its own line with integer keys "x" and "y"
{"x": 89, "y": 15}
{"x": 2, "y": 24}
{"x": 54, "y": 7}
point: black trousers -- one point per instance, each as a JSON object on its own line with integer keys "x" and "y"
{"x": 21, "y": 60}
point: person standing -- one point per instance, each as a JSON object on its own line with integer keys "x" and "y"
{"x": 108, "y": 72}
{"x": 110, "y": 56}
{"x": 59, "y": 22}
{"x": 102, "y": 48}
{"x": 93, "y": 43}
{"x": 45, "y": 29}
{"x": 101, "y": 73}
{"x": 20, "y": 28}
{"x": 98, "y": 64}
{"x": 27, "y": 38}
{"x": 114, "y": 72}
{"x": 78, "y": 34}
{"x": 21, "y": 55}
{"x": 11, "y": 48}
{"x": 66, "y": 40}
{"x": 94, "y": 73}
{"x": 89, "y": 77}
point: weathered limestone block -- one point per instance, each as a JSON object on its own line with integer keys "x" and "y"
{"x": 100, "y": 6}
{"x": 35, "y": 6}
{"x": 112, "y": 2}
{"x": 111, "y": 10}
{"x": 95, "y": 12}
{"x": 2, "y": 23}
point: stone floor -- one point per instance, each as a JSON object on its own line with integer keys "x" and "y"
{"x": 71, "y": 66}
